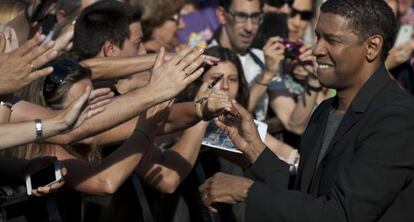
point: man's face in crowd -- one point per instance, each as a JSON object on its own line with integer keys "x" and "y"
{"x": 339, "y": 52}
{"x": 241, "y": 33}
{"x": 133, "y": 45}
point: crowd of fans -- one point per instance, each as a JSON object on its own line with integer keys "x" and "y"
{"x": 121, "y": 93}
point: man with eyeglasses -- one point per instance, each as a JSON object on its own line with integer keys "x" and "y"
{"x": 240, "y": 20}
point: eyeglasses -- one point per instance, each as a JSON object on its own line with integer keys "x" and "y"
{"x": 240, "y": 17}
{"x": 304, "y": 15}
{"x": 61, "y": 69}
{"x": 280, "y": 3}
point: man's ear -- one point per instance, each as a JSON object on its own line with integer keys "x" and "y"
{"x": 374, "y": 47}
{"x": 220, "y": 12}
{"x": 109, "y": 49}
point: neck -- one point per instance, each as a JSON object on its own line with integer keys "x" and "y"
{"x": 346, "y": 96}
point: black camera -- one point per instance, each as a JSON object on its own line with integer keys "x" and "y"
{"x": 292, "y": 48}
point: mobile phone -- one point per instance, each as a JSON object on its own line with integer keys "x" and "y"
{"x": 404, "y": 34}
{"x": 45, "y": 176}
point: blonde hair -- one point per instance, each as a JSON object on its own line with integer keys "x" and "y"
{"x": 34, "y": 94}
{"x": 10, "y": 9}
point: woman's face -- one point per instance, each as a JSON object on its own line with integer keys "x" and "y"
{"x": 230, "y": 81}
{"x": 297, "y": 23}
{"x": 76, "y": 91}
{"x": 166, "y": 34}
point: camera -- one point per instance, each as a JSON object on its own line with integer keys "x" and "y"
{"x": 292, "y": 48}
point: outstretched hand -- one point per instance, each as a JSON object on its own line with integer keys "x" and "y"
{"x": 240, "y": 127}
{"x": 171, "y": 77}
{"x": 20, "y": 67}
{"x": 81, "y": 110}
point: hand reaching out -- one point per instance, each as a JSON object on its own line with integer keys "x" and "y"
{"x": 19, "y": 67}
{"x": 81, "y": 110}
{"x": 170, "y": 77}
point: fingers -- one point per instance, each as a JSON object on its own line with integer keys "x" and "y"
{"x": 96, "y": 93}
{"x": 99, "y": 95}
{"x": 29, "y": 45}
{"x": 2, "y": 42}
{"x": 195, "y": 75}
{"x": 42, "y": 55}
{"x": 241, "y": 110}
{"x": 191, "y": 58}
{"x": 194, "y": 65}
{"x": 40, "y": 73}
{"x": 271, "y": 41}
{"x": 99, "y": 104}
{"x": 94, "y": 112}
{"x": 180, "y": 56}
{"x": 211, "y": 60}
{"x": 159, "y": 60}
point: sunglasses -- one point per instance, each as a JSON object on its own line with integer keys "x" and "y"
{"x": 61, "y": 69}
{"x": 280, "y": 3}
{"x": 304, "y": 15}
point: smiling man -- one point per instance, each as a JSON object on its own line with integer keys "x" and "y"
{"x": 357, "y": 156}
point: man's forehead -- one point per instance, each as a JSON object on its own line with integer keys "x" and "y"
{"x": 332, "y": 22}
{"x": 247, "y": 6}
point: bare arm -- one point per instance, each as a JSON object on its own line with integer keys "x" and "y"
{"x": 167, "y": 81}
{"x": 15, "y": 134}
{"x": 118, "y": 67}
{"x": 106, "y": 177}
{"x": 274, "y": 55}
{"x": 165, "y": 171}
{"x": 295, "y": 115}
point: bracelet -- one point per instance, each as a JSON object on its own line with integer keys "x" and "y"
{"x": 6, "y": 104}
{"x": 149, "y": 138}
{"x": 197, "y": 105}
{"x": 262, "y": 84}
{"x": 39, "y": 130}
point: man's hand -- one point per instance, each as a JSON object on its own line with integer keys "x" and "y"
{"x": 171, "y": 77}
{"x": 274, "y": 53}
{"x": 240, "y": 127}
{"x": 19, "y": 67}
{"x": 224, "y": 188}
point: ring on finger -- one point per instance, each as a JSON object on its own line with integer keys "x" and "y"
{"x": 32, "y": 67}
